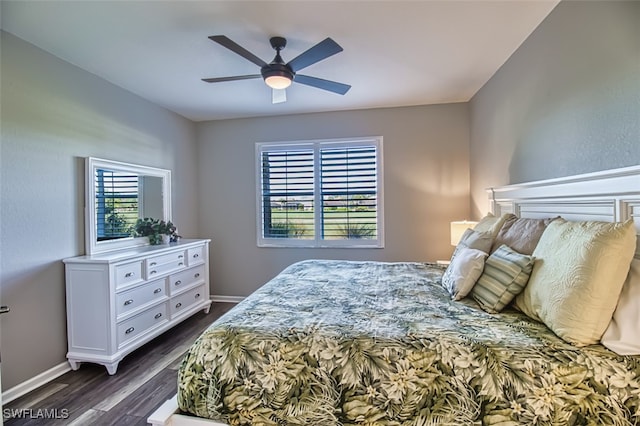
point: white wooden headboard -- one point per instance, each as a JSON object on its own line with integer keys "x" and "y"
{"x": 610, "y": 196}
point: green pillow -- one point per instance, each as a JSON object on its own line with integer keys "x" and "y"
{"x": 505, "y": 274}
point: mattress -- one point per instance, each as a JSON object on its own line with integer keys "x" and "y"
{"x": 372, "y": 343}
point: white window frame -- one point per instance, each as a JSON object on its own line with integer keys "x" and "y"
{"x": 318, "y": 241}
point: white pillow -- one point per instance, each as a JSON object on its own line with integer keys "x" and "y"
{"x": 623, "y": 334}
{"x": 463, "y": 271}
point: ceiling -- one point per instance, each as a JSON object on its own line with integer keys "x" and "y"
{"x": 396, "y": 53}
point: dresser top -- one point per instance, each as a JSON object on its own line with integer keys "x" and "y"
{"x": 135, "y": 252}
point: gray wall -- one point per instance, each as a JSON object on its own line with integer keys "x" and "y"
{"x": 53, "y": 115}
{"x": 566, "y": 102}
{"x": 426, "y": 185}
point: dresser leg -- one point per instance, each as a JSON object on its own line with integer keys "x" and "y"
{"x": 112, "y": 368}
{"x": 74, "y": 364}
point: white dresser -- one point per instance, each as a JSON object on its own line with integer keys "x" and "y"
{"x": 119, "y": 300}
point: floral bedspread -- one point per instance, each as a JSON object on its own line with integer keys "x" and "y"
{"x": 369, "y": 343}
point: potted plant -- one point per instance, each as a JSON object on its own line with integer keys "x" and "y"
{"x": 156, "y": 229}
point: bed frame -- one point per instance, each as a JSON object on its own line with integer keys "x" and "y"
{"x": 611, "y": 196}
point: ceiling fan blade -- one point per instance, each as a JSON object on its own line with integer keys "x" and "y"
{"x": 320, "y": 51}
{"x": 278, "y": 96}
{"x": 331, "y": 86}
{"x": 237, "y": 77}
{"x": 235, "y": 47}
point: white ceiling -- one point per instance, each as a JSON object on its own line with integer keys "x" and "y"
{"x": 396, "y": 53}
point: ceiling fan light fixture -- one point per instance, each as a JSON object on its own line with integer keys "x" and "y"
{"x": 278, "y": 81}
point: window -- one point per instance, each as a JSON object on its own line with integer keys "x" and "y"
{"x": 116, "y": 204}
{"x": 320, "y": 193}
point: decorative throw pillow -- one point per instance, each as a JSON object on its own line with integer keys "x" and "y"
{"x": 623, "y": 334}
{"x": 578, "y": 276}
{"x": 476, "y": 240}
{"x": 506, "y": 273}
{"x": 521, "y": 234}
{"x": 463, "y": 272}
{"x": 492, "y": 223}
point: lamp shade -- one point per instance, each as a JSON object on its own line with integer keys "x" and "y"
{"x": 458, "y": 228}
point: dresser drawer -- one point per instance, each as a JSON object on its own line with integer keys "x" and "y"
{"x": 172, "y": 258}
{"x": 185, "y": 279}
{"x": 127, "y": 274}
{"x": 151, "y": 318}
{"x": 186, "y": 300}
{"x": 157, "y": 270}
{"x": 130, "y": 300}
{"x": 195, "y": 255}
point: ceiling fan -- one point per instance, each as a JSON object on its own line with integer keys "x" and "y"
{"x": 279, "y": 75}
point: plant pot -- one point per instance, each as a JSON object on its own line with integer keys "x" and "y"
{"x": 155, "y": 239}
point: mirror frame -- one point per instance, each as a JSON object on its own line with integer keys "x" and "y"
{"x": 92, "y": 245}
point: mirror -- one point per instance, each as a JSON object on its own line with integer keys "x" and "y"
{"x": 117, "y": 195}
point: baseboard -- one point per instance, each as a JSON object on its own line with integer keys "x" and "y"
{"x": 35, "y": 382}
{"x": 226, "y": 299}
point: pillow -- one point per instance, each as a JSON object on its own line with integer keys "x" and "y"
{"x": 506, "y": 272}
{"x": 578, "y": 276}
{"x": 476, "y": 240}
{"x": 623, "y": 334}
{"x": 463, "y": 272}
{"x": 492, "y": 223}
{"x": 520, "y": 234}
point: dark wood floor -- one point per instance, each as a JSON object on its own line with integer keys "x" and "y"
{"x": 89, "y": 396}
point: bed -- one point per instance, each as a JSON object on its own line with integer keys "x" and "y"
{"x": 373, "y": 343}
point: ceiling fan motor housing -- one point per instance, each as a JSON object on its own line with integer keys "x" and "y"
{"x": 275, "y": 69}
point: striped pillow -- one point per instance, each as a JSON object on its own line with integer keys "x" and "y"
{"x": 505, "y": 274}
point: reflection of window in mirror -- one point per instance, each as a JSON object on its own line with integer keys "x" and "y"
{"x": 116, "y": 204}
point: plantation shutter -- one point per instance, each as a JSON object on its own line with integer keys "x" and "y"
{"x": 320, "y": 193}
{"x": 349, "y": 192}
{"x": 116, "y": 203}
{"x": 288, "y": 193}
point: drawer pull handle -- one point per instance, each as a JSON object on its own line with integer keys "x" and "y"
{"x": 197, "y": 295}
{"x": 180, "y": 256}
{"x": 196, "y": 275}
{"x": 178, "y": 305}
{"x": 181, "y": 263}
{"x": 157, "y": 290}
{"x": 128, "y": 302}
{"x": 178, "y": 282}
{"x": 129, "y": 274}
{"x": 195, "y": 256}
{"x": 158, "y": 315}
{"x": 153, "y": 264}
{"x": 129, "y": 330}
{"x": 153, "y": 272}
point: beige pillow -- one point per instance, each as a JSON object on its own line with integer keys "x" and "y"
{"x": 578, "y": 275}
{"x": 476, "y": 240}
{"x": 521, "y": 234}
{"x": 491, "y": 223}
